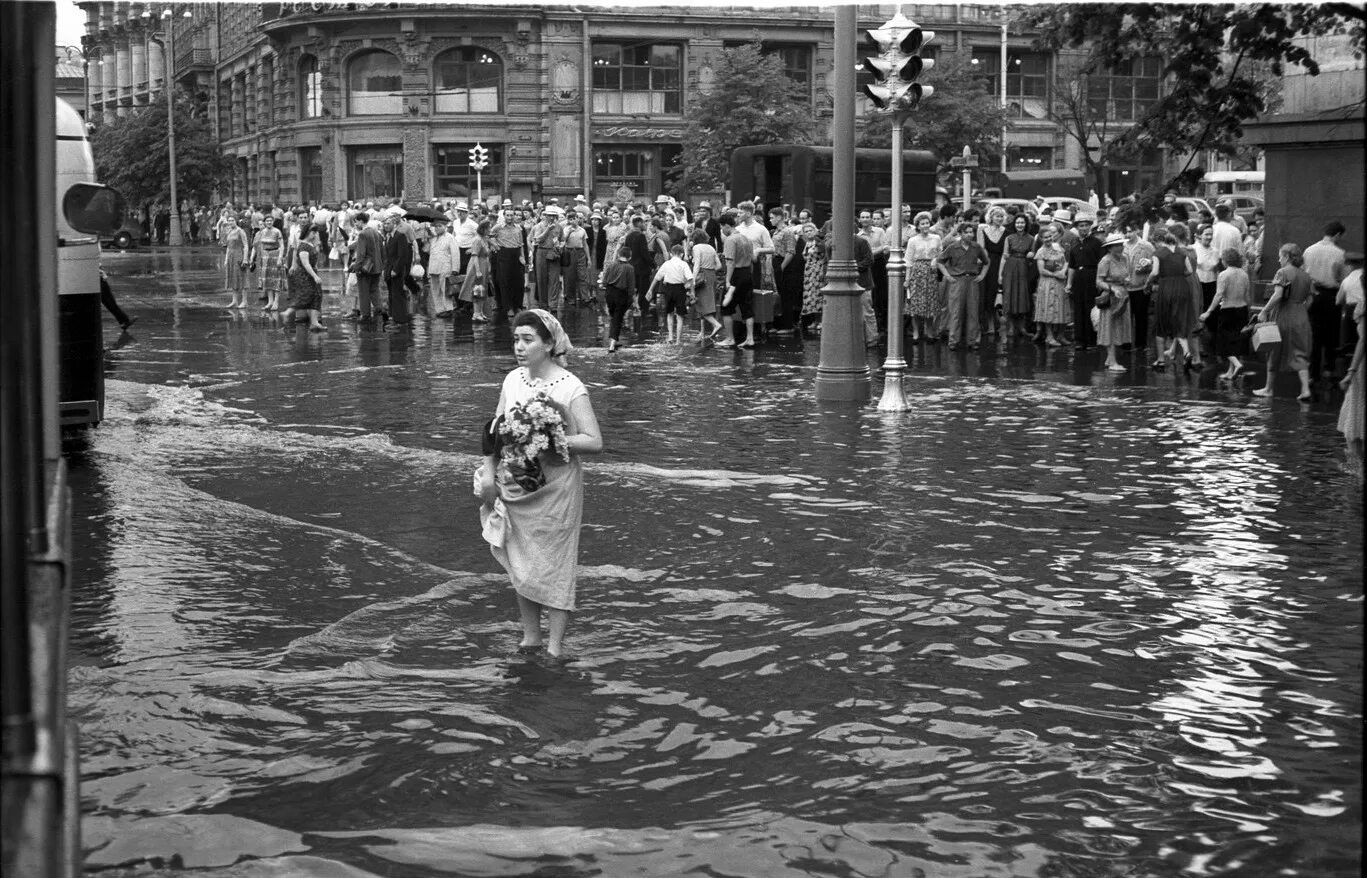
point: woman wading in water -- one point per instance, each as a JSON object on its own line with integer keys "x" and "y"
{"x": 531, "y": 513}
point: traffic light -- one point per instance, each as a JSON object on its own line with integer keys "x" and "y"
{"x": 479, "y": 157}
{"x": 895, "y": 69}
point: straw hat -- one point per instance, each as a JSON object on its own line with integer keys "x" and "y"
{"x": 1112, "y": 241}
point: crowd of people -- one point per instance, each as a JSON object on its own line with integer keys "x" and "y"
{"x": 1161, "y": 289}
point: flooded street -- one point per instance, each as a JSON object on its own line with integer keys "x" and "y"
{"x": 1050, "y": 622}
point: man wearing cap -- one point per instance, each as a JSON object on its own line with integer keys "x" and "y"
{"x": 548, "y": 241}
{"x": 963, "y": 262}
{"x": 465, "y": 231}
{"x": 1083, "y": 259}
{"x": 703, "y": 219}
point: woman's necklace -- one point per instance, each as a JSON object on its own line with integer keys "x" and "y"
{"x": 540, "y": 383}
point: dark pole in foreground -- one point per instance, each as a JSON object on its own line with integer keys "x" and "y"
{"x": 843, "y": 373}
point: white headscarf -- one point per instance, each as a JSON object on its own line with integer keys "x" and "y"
{"x": 560, "y": 341}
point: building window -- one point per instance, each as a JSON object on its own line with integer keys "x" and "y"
{"x": 637, "y": 78}
{"x": 796, "y": 58}
{"x": 375, "y": 172}
{"x": 374, "y": 85}
{"x": 454, "y": 178}
{"x": 468, "y": 80}
{"x": 1029, "y": 158}
{"x": 1128, "y": 91}
{"x": 1027, "y": 79}
{"x": 310, "y": 88}
{"x": 311, "y": 174}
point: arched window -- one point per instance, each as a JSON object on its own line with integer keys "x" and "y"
{"x": 374, "y": 85}
{"x": 468, "y": 80}
{"x": 310, "y": 88}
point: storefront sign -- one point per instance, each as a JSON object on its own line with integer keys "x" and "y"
{"x": 641, "y": 133}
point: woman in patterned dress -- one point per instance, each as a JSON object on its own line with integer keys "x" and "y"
{"x": 923, "y": 280}
{"x": 813, "y": 276}
{"x": 1052, "y": 310}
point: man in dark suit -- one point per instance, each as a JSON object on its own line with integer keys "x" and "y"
{"x": 368, "y": 265}
{"x": 398, "y": 259}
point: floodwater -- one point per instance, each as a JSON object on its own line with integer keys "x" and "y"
{"x": 1047, "y": 623}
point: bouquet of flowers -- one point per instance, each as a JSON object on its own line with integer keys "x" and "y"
{"x": 525, "y": 432}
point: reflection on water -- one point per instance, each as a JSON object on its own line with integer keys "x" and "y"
{"x": 1029, "y": 628}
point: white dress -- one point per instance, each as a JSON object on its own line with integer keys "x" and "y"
{"x": 535, "y": 536}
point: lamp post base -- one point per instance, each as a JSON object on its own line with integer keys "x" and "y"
{"x": 843, "y": 374}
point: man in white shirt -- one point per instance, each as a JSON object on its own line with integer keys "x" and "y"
{"x": 465, "y": 231}
{"x": 1226, "y": 233}
{"x": 1349, "y": 297}
{"x": 754, "y": 232}
{"x": 1324, "y": 263}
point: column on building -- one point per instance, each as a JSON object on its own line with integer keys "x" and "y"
{"x": 94, "y": 84}
{"x": 156, "y": 65}
{"x": 237, "y": 110}
{"x": 137, "y": 50}
{"x": 123, "y": 61}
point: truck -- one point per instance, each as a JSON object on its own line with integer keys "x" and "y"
{"x": 85, "y": 211}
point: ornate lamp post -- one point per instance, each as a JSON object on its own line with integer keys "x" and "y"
{"x": 897, "y": 93}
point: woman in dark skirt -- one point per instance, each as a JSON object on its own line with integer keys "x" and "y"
{"x": 1230, "y": 303}
{"x": 1018, "y": 299}
{"x": 1172, "y": 298}
{"x": 992, "y": 237}
{"x": 305, "y": 287}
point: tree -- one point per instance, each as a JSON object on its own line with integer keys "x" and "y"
{"x": 961, "y": 112}
{"x": 1087, "y": 122}
{"x": 131, "y": 154}
{"x": 752, "y": 102}
{"x": 1217, "y": 60}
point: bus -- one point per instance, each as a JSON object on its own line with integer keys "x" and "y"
{"x": 85, "y": 210}
{"x": 799, "y": 176}
{"x": 1217, "y": 183}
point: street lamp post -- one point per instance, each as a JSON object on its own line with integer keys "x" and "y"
{"x": 170, "y": 86}
{"x": 894, "y": 397}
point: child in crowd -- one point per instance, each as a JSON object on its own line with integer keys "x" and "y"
{"x": 618, "y": 281}
{"x": 674, "y": 278}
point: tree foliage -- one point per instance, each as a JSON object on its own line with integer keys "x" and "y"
{"x": 962, "y": 112}
{"x": 132, "y": 154}
{"x": 1217, "y": 60}
{"x": 752, "y": 102}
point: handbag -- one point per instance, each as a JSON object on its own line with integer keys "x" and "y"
{"x": 1266, "y": 334}
{"x": 1103, "y": 301}
{"x": 334, "y": 254}
{"x": 417, "y": 272}
{"x": 566, "y": 258}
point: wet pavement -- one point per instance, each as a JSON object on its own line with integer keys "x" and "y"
{"x": 1049, "y": 622}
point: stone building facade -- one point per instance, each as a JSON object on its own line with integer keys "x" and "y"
{"x": 325, "y": 101}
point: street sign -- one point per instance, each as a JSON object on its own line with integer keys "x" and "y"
{"x": 961, "y": 162}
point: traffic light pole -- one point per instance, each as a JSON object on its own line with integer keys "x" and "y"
{"x": 894, "y": 397}
{"x": 843, "y": 372}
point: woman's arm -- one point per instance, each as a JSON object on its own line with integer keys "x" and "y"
{"x": 1275, "y": 298}
{"x": 1355, "y": 366}
{"x": 588, "y": 439}
{"x": 1221, "y": 287}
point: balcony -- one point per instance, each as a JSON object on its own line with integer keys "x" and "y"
{"x": 194, "y": 58}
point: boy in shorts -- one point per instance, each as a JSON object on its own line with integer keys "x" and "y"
{"x": 674, "y": 278}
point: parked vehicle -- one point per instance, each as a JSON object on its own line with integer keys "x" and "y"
{"x": 1030, "y": 184}
{"x": 1244, "y": 205}
{"x": 1076, "y": 205}
{"x": 85, "y": 211}
{"x": 1026, "y": 204}
{"x": 1216, "y": 184}
{"x": 128, "y": 235}
{"x": 1194, "y": 206}
{"x": 800, "y": 175}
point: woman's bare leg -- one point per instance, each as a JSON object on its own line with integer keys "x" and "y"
{"x": 558, "y": 620}
{"x": 531, "y": 621}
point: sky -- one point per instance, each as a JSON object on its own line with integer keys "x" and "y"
{"x": 70, "y": 23}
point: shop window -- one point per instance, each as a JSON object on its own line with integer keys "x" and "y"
{"x": 468, "y": 80}
{"x": 310, "y": 88}
{"x": 453, "y": 176}
{"x": 1027, "y": 79}
{"x": 374, "y": 85}
{"x": 311, "y": 174}
{"x": 375, "y": 172}
{"x": 637, "y": 78}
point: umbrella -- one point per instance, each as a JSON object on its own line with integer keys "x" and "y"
{"x": 424, "y": 213}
